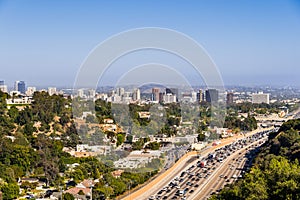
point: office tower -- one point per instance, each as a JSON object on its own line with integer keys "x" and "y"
{"x": 120, "y": 91}
{"x": 136, "y": 95}
{"x": 30, "y": 91}
{"x": 80, "y": 93}
{"x": 16, "y": 85}
{"x": 173, "y": 91}
{"x": 194, "y": 96}
{"x": 261, "y": 98}
{"x": 91, "y": 93}
{"x": 212, "y": 95}
{"x": 51, "y": 90}
{"x": 3, "y": 87}
{"x": 155, "y": 94}
{"x": 200, "y": 96}
{"x": 20, "y": 86}
{"x": 169, "y": 98}
{"x": 229, "y": 98}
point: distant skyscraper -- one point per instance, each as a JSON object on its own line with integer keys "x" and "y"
{"x": 51, "y": 90}
{"x": 20, "y": 86}
{"x": 169, "y": 98}
{"x": 30, "y": 91}
{"x": 200, "y": 96}
{"x": 80, "y": 93}
{"x": 229, "y": 98}
{"x": 3, "y": 87}
{"x": 155, "y": 94}
{"x": 194, "y": 96}
{"x": 91, "y": 93}
{"x": 120, "y": 91}
{"x": 173, "y": 91}
{"x": 136, "y": 95}
{"x": 212, "y": 95}
{"x": 16, "y": 85}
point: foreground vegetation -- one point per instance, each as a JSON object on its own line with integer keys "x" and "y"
{"x": 31, "y": 145}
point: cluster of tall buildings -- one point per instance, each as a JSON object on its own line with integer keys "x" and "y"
{"x": 19, "y": 87}
{"x": 171, "y": 95}
{"x": 119, "y": 95}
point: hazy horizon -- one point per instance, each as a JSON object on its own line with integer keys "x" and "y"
{"x": 252, "y": 43}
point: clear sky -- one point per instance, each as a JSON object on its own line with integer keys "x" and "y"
{"x": 252, "y": 42}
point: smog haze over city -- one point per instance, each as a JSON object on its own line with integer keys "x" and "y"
{"x": 251, "y": 42}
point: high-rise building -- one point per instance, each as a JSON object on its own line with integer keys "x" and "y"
{"x": 200, "y": 96}
{"x": 3, "y": 87}
{"x": 80, "y": 93}
{"x": 261, "y": 98}
{"x": 173, "y": 91}
{"x": 20, "y": 86}
{"x": 30, "y": 91}
{"x": 155, "y": 94}
{"x": 120, "y": 91}
{"x": 16, "y": 85}
{"x": 229, "y": 98}
{"x": 211, "y": 95}
{"x": 51, "y": 90}
{"x": 91, "y": 93}
{"x": 169, "y": 98}
{"x": 194, "y": 96}
{"x": 136, "y": 95}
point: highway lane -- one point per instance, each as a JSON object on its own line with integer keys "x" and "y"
{"x": 191, "y": 182}
{"x": 227, "y": 169}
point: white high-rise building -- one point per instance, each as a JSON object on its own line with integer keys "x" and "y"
{"x": 136, "y": 95}
{"x": 120, "y": 91}
{"x": 51, "y": 90}
{"x": 91, "y": 93}
{"x": 169, "y": 98}
{"x": 80, "y": 93}
{"x": 261, "y": 98}
{"x": 30, "y": 91}
{"x": 194, "y": 96}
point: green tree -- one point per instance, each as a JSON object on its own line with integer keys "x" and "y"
{"x": 10, "y": 191}
{"x": 201, "y": 137}
{"x": 68, "y": 196}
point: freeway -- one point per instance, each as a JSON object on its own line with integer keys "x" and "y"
{"x": 195, "y": 179}
{"x": 183, "y": 163}
{"x": 227, "y": 172}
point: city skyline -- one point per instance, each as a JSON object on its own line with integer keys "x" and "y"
{"x": 252, "y": 43}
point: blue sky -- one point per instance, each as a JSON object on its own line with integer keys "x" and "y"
{"x": 252, "y": 42}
